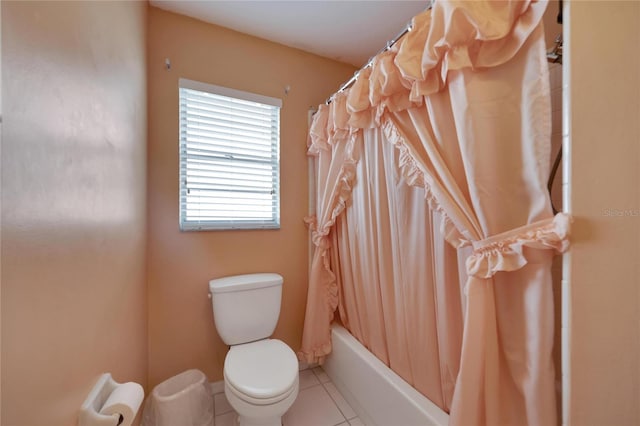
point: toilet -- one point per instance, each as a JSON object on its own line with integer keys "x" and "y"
{"x": 260, "y": 374}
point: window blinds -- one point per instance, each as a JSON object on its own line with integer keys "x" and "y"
{"x": 229, "y": 158}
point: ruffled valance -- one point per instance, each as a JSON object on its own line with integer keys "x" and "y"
{"x": 453, "y": 35}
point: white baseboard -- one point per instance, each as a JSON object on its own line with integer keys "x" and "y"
{"x": 217, "y": 387}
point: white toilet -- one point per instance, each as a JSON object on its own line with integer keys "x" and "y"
{"x": 260, "y": 374}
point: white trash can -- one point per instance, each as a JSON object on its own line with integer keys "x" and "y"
{"x": 182, "y": 400}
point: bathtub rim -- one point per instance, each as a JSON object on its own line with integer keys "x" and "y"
{"x": 361, "y": 398}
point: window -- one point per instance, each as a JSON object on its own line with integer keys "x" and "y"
{"x": 229, "y": 159}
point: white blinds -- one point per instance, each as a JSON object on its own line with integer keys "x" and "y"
{"x": 229, "y": 158}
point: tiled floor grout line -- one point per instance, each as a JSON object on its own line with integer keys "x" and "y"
{"x": 309, "y": 387}
{"x": 337, "y": 406}
{"x": 334, "y": 401}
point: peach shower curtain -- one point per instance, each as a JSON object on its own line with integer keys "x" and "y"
{"x": 400, "y": 286}
{"x": 464, "y": 100}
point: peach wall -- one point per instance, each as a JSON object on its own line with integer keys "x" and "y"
{"x": 181, "y": 329}
{"x": 0, "y": 215}
{"x": 603, "y": 136}
{"x": 73, "y": 204}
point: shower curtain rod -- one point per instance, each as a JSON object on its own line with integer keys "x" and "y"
{"x": 397, "y": 38}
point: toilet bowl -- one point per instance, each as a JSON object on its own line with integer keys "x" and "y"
{"x": 261, "y": 381}
{"x": 260, "y": 374}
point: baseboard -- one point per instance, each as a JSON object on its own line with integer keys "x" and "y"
{"x": 217, "y": 387}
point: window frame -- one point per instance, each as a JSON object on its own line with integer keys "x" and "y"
{"x": 233, "y": 224}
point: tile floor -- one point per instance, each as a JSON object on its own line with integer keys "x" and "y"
{"x": 318, "y": 404}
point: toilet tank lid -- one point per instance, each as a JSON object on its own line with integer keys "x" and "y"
{"x": 244, "y": 282}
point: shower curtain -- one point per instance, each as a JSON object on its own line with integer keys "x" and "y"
{"x": 434, "y": 231}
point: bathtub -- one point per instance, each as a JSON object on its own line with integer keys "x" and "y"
{"x": 378, "y": 395}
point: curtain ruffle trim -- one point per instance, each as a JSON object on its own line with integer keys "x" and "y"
{"x": 316, "y": 355}
{"x": 317, "y": 140}
{"x": 456, "y": 35}
{"x": 320, "y": 231}
{"x": 504, "y": 252}
{"x": 320, "y": 236}
{"x": 415, "y": 176}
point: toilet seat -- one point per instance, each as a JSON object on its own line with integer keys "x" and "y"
{"x": 261, "y": 373}
{"x": 261, "y": 401}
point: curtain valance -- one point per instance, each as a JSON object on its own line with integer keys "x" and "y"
{"x": 453, "y": 35}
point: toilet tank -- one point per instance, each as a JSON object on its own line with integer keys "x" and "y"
{"x": 246, "y": 307}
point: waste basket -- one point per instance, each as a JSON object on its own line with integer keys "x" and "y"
{"x": 182, "y": 400}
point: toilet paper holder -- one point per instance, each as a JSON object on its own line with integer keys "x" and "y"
{"x": 90, "y": 409}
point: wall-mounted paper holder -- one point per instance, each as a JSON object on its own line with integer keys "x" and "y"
{"x": 90, "y": 409}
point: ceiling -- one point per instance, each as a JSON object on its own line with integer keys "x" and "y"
{"x": 348, "y": 31}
